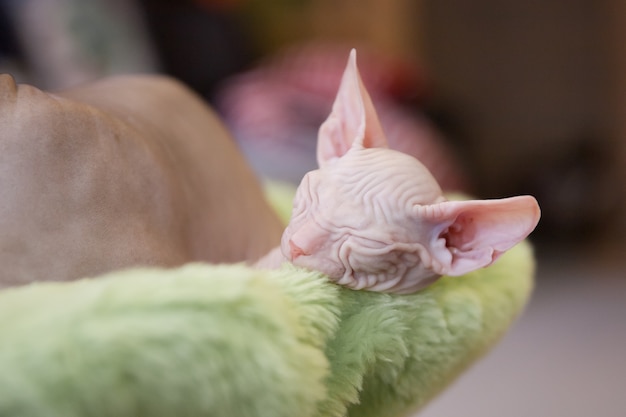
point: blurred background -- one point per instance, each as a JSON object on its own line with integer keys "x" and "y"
{"x": 496, "y": 97}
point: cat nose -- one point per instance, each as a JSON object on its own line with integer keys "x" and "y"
{"x": 295, "y": 251}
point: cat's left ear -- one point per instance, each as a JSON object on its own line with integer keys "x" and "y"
{"x": 353, "y": 120}
{"x": 467, "y": 235}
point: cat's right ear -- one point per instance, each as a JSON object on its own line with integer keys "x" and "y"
{"x": 353, "y": 120}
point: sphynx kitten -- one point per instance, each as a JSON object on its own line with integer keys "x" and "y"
{"x": 373, "y": 218}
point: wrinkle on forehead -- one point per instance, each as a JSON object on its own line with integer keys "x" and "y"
{"x": 383, "y": 178}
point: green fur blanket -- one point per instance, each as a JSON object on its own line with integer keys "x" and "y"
{"x": 227, "y": 340}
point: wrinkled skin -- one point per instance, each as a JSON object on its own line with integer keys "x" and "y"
{"x": 374, "y": 218}
{"x": 128, "y": 171}
{"x": 361, "y": 230}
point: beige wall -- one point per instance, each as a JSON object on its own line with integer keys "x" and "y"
{"x": 527, "y": 78}
{"x": 540, "y": 87}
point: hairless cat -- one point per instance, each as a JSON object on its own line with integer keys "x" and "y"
{"x": 375, "y": 219}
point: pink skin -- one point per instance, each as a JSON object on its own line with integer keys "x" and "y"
{"x": 373, "y": 218}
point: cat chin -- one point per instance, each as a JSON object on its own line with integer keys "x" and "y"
{"x": 392, "y": 285}
{"x": 415, "y": 279}
{"x": 333, "y": 270}
{"x": 408, "y": 286}
{"x": 394, "y": 280}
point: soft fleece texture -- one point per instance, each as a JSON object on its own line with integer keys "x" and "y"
{"x": 211, "y": 340}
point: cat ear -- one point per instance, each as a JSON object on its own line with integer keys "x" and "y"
{"x": 467, "y": 235}
{"x": 353, "y": 120}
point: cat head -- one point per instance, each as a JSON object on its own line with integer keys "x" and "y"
{"x": 374, "y": 218}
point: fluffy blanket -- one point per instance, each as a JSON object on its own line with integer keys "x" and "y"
{"x": 228, "y": 340}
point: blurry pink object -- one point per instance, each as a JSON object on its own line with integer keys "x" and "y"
{"x": 274, "y": 111}
{"x": 374, "y": 218}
